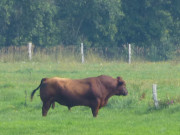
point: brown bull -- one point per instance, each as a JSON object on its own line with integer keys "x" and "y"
{"x": 93, "y": 92}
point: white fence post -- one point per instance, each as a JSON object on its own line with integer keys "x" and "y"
{"x": 129, "y": 53}
{"x": 155, "y": 95}
{"x": 30, "y": 50}
{"x": 82, "y": 52}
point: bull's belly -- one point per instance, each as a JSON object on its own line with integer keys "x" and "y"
{"x": 71, "y": 101}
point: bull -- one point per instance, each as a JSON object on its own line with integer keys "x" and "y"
{"x": 93, "y": 92}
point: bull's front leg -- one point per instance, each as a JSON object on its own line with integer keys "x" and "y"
{"x": 95, "y": 107}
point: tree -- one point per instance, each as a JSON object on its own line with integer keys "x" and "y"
{"x": 175, "y": 28}
{"x": 5, "y": 13}
{"x": 92, "y": 21}
{"x": 145, "y": 22}
{"x": 28, "y": 21}
{"x": 43, "y": 30}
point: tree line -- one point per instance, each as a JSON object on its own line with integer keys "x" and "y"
{"x": 94, "y": 22}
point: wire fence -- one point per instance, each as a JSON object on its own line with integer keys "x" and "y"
{"x": 62, "y": 53}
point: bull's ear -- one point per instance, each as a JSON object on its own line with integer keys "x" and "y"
{"x": 119, "y": 80}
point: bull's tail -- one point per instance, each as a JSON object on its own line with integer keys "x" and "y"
{"x": 33, "y": 92}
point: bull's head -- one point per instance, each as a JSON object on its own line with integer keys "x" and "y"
{"x": 121, "y": 87}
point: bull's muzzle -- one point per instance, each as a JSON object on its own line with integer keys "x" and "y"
{"x": 125, "y": 93}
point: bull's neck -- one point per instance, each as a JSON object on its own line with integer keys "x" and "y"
{"x": 109, "y": 85}
{"x": 110, "y": 88}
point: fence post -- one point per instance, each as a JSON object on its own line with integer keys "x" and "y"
{"x": 129, "y": 53}
{"x": 82, "y": 52}
{"x": 30, "y": 50}
{"x": 155, "y": 95}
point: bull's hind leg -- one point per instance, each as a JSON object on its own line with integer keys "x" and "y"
{"x": 69, "y": 108}
{"x": 45, "y": 108}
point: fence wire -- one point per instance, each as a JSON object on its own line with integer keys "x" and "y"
{"x": 59, "y": 53}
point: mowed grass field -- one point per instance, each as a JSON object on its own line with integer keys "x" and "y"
{"x": 134, "y": 114}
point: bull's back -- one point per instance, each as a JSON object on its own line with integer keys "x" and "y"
{"x": 66, "y": 88}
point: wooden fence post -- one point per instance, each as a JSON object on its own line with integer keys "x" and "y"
{"x": 129, "y": 53}
{"x": 155, "y": 95}
{"x": 82, "y": 52}
{"x": 30, "y": 50}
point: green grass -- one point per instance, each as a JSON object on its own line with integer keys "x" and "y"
{"x": 131, "y": 115}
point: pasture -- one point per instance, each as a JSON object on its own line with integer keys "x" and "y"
{"x": 131, "y": 115}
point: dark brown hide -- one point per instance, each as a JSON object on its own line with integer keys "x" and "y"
{"x": 93, "y": 92}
